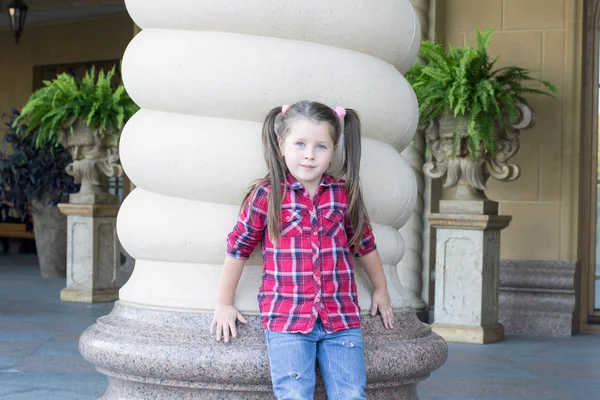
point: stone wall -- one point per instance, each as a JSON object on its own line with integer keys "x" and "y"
{"x": 545, "y": 36}
{"x": 88, "y": 40}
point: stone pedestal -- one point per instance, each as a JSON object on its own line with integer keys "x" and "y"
{"x": 93, "y": 253}
{"x": 162, "y": 354}
{"x": 467, "y": 270}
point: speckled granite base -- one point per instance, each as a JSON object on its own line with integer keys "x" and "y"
{"x": 537, "y": 297}
{"x": 156, "y": 354}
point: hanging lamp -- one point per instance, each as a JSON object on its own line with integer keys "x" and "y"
{"x": 17, "y": 12}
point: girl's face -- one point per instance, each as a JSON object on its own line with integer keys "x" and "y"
{"x": 308, "y": 150}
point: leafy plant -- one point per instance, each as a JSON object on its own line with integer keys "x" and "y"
{"x": 32, "y": 173}
{"x": 53, "y": 108}
{"x": 463, "y": 81}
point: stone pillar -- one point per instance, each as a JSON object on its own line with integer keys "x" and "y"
{"x": 467, "y": 271}
{"x": 411, "y": 265}
{"x": 93, "y": 253}
{"x": 206, "y": 73}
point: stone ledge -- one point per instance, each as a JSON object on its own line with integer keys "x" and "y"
{"x": 536, "y": 301}
{"x": 529, "y": 274}
{"x": 537, "y": 297}
{"x": 553, "y": 324}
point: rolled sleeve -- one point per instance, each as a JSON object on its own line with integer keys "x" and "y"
{"x": 367, "y": 243}
{"x": 249, "y": 229}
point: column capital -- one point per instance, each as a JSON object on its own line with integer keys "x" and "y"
{"x": 89, "y": 210}
{"x": 469, "y": 221}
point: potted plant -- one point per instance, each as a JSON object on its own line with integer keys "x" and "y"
{"x": 32, "y": 177}
{"x": 85, "y": 116}
{"x": 472, "y": 114}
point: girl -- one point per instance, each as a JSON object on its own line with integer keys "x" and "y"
{"x": 310, "y": 224}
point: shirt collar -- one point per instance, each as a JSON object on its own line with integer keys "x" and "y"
{"x": 294, "y": 184}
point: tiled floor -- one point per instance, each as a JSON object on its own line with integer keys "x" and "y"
{"x": 39, "y": 354}
{"x": 39, "y": 357}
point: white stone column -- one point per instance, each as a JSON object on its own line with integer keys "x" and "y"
{"x": 411, "y": 265}
{"x": 205, "y": 73}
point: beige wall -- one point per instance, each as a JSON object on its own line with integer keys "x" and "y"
{"x": 89, "y": 40}
{"x": 545, "y": 36}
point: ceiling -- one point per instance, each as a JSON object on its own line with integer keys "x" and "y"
{"x": 44, "y": 12}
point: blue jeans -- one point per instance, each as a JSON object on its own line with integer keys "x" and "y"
{"x": 340, "y": 356}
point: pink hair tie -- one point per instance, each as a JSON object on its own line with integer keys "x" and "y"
{"x": 284, "y": 108}
{"x": 340, "y": 111}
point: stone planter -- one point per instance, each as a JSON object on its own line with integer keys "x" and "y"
{"x": 465, "y": 176}
{"x": 93, "y": 250}
{"x": 468, "y": 228}
{"x": 50, "y": 227}
{"x": 95, "y": 159}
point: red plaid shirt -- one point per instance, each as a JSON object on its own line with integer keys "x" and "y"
{"x": 309, "y": 273}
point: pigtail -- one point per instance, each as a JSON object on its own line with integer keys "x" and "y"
{"x": 351, "y": 169}
{"x": 276, "y": 172}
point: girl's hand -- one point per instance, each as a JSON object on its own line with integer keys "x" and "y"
{"x": 224, "y": 320}
{"x": 381, "y": 301}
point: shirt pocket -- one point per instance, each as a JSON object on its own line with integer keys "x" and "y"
{"x": 333, "y": 222}
{"x": 291, "y": 222}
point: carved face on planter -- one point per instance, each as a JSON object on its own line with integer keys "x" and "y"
{"x": 92, "y": 150}
{"x": 453, "y": 162}
{"x": 95, "y": 158}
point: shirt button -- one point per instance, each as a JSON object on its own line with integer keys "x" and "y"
{"x": 316, "y": 256}
{"x": 315, "y": 233}
{"x": 318, "y": 299}
{"x": 324, "y": 321}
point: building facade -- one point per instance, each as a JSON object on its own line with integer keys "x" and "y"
{"x": 553, "y": 203}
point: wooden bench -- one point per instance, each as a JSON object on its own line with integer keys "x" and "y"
{"x": 17, "y": 231}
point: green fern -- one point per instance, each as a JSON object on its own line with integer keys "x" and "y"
{"x": 54, "y": 108}
{"x": 463, "y": 81}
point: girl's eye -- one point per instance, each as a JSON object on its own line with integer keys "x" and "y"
{"x": 300, "y": 144}
{"x": 321, "y": 147}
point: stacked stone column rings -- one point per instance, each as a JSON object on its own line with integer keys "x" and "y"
{"x": 410, "y": 267}
{"x": 205, "y": 74}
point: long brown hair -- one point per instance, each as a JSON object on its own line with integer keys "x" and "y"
{"x": 277, "y": 169}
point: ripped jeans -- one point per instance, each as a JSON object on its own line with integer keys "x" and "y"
{"x": 341, "y": 360}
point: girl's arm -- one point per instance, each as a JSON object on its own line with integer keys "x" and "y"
{"x": 241, "y": 241}
{"x": 226, "y": 314}
{"x": 372, "y": 265}
{"x": 369, "y": 258}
